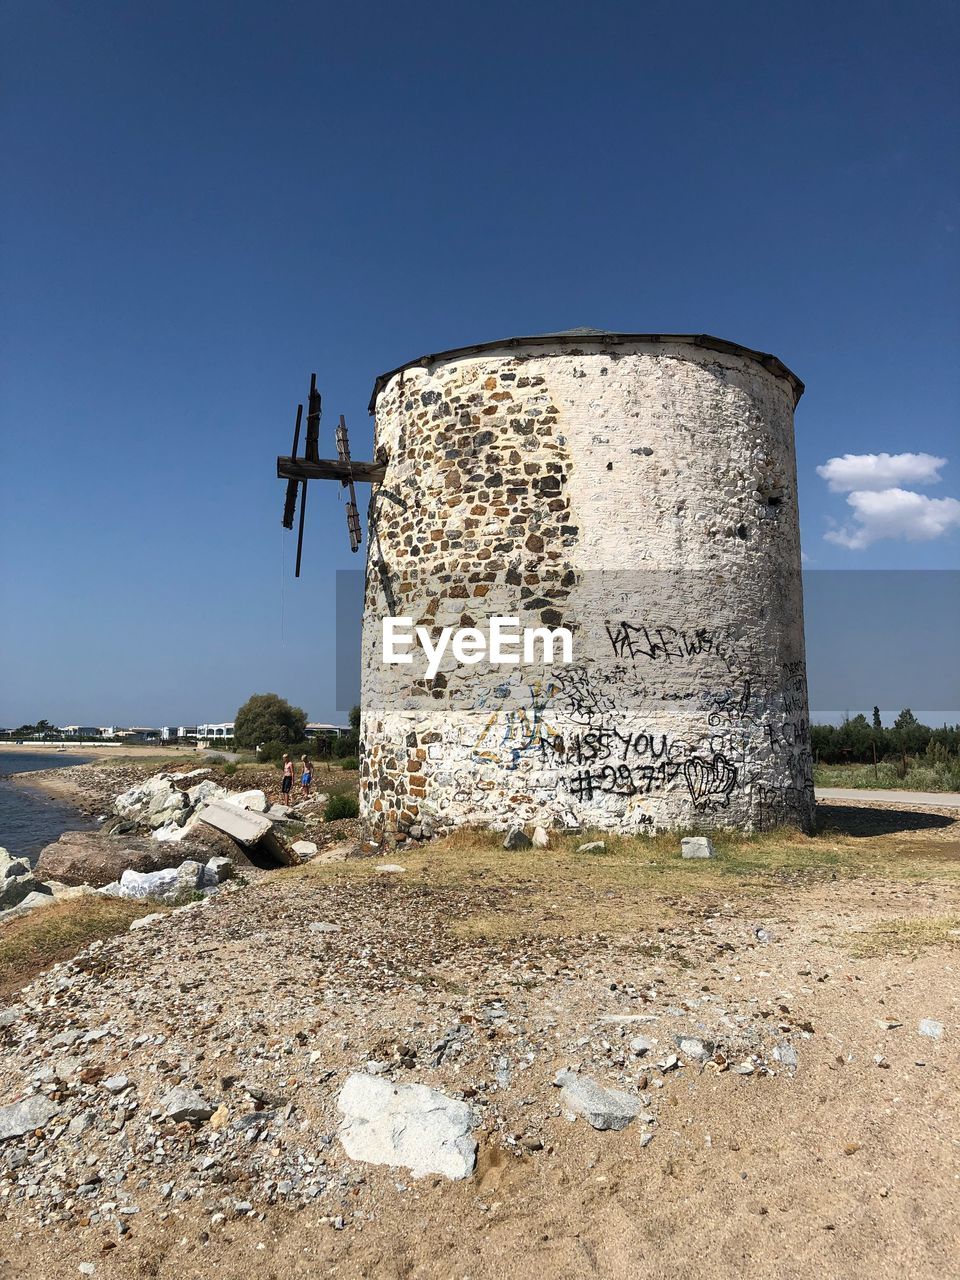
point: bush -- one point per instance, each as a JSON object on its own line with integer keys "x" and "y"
{"x": 342, "y": 806}
{"x": 348, "y": 744}
{"x": 230, "y": 768}
{"x": 265, "y": 717}
{"x": 349, "y": 762}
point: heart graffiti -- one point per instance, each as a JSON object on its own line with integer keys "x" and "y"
{"x": 710, "y": 781}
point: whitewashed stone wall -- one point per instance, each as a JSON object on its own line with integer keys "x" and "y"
{"x": 643, "y": 495}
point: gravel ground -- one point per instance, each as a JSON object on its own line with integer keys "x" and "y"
{"x": 815, "y": 1134}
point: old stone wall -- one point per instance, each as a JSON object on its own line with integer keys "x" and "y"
{"x": 644, "y": 496}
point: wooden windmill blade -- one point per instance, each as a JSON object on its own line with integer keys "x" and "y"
{"x": 297, "y": 471}
{"x": 290, "y": 502}
{"x": 353, "y": 516}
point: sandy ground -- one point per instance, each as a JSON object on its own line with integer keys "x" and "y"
{"x": 848, "y": 1165}
{"x": 97, "y": 751}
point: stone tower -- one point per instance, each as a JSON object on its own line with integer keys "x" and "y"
{"x": 639, "y": 490}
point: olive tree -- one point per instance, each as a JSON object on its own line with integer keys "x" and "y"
{"x": 266, "y": 717}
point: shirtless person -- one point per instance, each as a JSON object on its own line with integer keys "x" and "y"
{"x": 286, "y": 786}
{"x": 306, "y": 776}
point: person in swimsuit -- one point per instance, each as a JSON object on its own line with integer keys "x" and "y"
{"x": 286, "y": 786}
{"x": 305, "y": 777}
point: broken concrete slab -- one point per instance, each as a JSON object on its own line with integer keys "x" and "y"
{"x": 406, "y": 1125}
{"x": 251, "y": 830}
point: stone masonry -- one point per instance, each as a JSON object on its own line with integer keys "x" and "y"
{"x": 641, "y": 493}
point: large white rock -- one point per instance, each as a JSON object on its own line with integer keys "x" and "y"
{"x": 165, "y": 885}
{"x": 255, "y": 801}
{"x": 138, "y": 798}
{"x": 406, "y": 1125}
{"x": 697, "y": 847}
{"x": 173, "y": 832}
{"x": 207, "y": 791}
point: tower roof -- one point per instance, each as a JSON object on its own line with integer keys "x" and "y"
{"x": 587, "y": 337}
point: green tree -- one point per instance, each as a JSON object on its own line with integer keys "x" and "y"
{"x": 877, "y": 722}
{"x": 266, "y": 717}
{"x": 355, "y": 719}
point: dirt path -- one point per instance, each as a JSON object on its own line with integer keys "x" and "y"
{"x": 923, "y": 799}
{"x": 482, "y": 974}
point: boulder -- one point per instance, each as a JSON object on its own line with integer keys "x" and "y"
{"x": 600, "y": 1107}
{"x": 87, "y": 857}
{"x": 255, "y": 801}
{"x": 137, "y": 799}
{"x": 20, "y": 1118}
{"x": 11, "y": 866}
{"x": 164, "y": 886}
{"x": 304, "y": 848}
{"x": 540, "y": 838}
{"x": 406, "y": 1125}
{"x": 17, "y": 880}
{"x": 39, "y": 897}
{"x": 182, "y": 826}
{"x": 592, "y": 846}
{"x": 516, "y": 838}
{"x": 216, "y": 871}
{"x": 207, "y": 791}
{"x": 697, "y": 847}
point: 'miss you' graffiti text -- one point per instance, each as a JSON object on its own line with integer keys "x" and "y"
{"x": 505, "y": 644}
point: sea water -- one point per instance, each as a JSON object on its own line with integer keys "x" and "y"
{"x": 30, "y": 819}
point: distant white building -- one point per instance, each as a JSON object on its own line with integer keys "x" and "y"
{"x": 327, "y": 730}
{"x": 215, "y": 732}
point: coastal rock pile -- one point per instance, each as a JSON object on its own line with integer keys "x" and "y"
{"x": 89, "y": 857}
{"x": 21, "y": 890}
{"x": 172, "y": 884}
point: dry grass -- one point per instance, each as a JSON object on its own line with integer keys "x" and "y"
{"x": 906, "y": 936}
{"x": 32, "y": 942}
{"x": 634, "y": 884}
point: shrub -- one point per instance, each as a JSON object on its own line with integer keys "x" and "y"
{"x": 342, "y": 806}
{"x": 230, "y": 768}
{"x": 265, "y": 717}
{"x": 349, "y": 762}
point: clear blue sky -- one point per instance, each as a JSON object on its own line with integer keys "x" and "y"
{"x": 205, "y": 201}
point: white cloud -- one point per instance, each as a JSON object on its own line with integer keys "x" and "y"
{"x": 878, "y": 471}
{"x": 895, "y": 513}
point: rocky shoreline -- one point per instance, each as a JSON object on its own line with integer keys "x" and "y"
{"x": 165, "y": 836}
